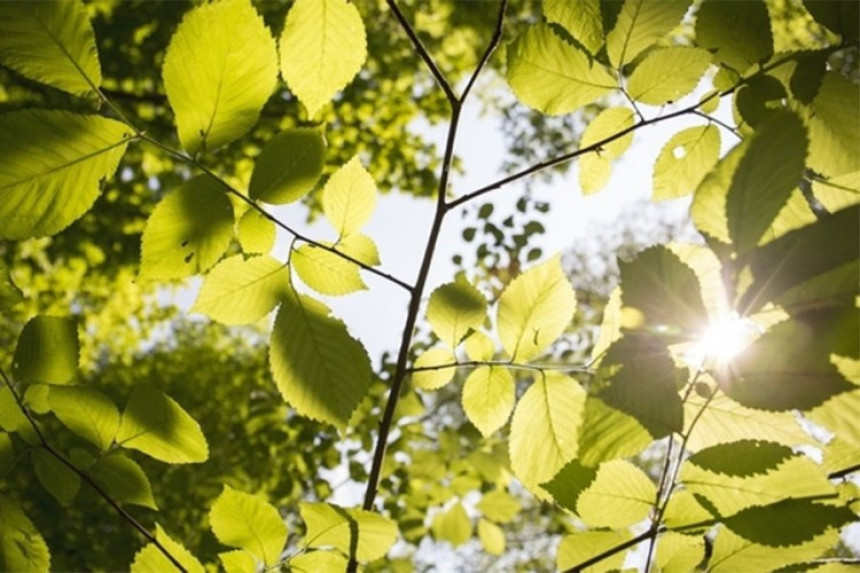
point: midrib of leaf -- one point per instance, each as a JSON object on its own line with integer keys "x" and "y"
{"x": 531, "y": 312}
{"x": 313, "y": 335}
{"x": 208, "y": 129}
{"x": 323, "y": 38}
{"x": 549, "y": 418}
{"x": 629, "y": 33}
{"x": 250, "y": 284}
{"x": 569, "y": 78}
{"x": 66, "y": 53}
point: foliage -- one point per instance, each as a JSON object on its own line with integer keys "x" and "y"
{"x": 220, "y": 446}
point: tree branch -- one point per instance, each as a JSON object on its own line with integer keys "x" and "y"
{"x": 843, "y": 472}
{"x": 87, "y": 478}
{"x": 504, "y": 364}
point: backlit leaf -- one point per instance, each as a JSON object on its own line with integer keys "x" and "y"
{"x": 582, "y": 19}
{"x": 52, "y": 164}
{"x": 582, "y": 545}
{"x": 684, "y": 161}
{"x": 620, "y": 495}
{"x": 453, "y": 309}
{"x": 479, "y": 346}
{"x": 549, "y": 75}
{"x": 150, "y": 559}
{"x": 667, "y": 75}
{"x": 453, "y": 525}
{"x": 124, "y": 480}
{"x": 534, "y": 310}
{"x": 47, "y": 351}
{"x": 732, "y": 553}
{"x": 326, "y": 272}
{"x": 323, "y": 47}
{"x": 364, "y": 535}
{"x": 237, "y": 561}
{"x": 245, "y": 521}
{"x": 153, "y": 423}
{"x": 87, "y": 412}
{"x": 188, "y": 230}
{"x": 834, "y": 127}
{"x": 499, "y": 506}
{"x": 737, "y": 33}
{"x": 319, "y": 561}
{"x": 361, "y": 248}
{"x": 840, "y": 17}
{"x": 742, "y": 458}
{"x": 288, "y": 167}
{"x": 678, "y": 553}
{"x": 241, "y": 291}
{"x": 492, "y": 537}
{"x": 55, "y": 476}
{"x": 349, "y": 197}
{"x": 256, "y": 233}
{"x": 596, "y": 167}
{"x": 708, "y": 210}
{"x": 608, "y": 433}
{"x": 319, "y": 368}
{"x": 10, "y": 294}
{"x": 23, "y": 547}
{"x": 640, "y": 24}
{"x": 788, "y": 522}
{"x": 434, "y": 378}
{"x": 838, "y": 192}
{"x": 837, "y": 415}
{"x": 219, "y": 69}
{"x": 488, "y": 398}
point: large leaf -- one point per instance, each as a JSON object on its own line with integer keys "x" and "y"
{"x": 619, "y": 496}
{"x": 22, "y": 547}
{"x": 47, "y": 351}
{"x": 834, "y": 127}
{"x": 488, "y": 398}
{"x": 737, "y": 33}
{"x": 544, "y": 429}
{"x": 150, "y": 559}
{"x": 769, "y": 171}
{"x": 733, "y": 553}
{"x": 87, "y": 412}
{"x": 684, "y": 161}
{"x": 667, "y": 75}
{"x": 51, "y": 167}
{"x": 124, "y": 480}
{"x": 452, "y": 525}
{"x": 640, "y": 24}
{"x": 188, "y": 231}
{"x": 153, "y": 423}
{"x": 364, "y": 535}
{"x": 349, "y": 198}
{"x": 323, "y": 47}
{"x": 51, "y": 42}
{"x": 553, "y": 77}
{"x": 455, "y": 308}
{"x": 534, "y": 310}
{"x": 787, "y": 523}
{"x": 840, "y": 17}
{"x": 582, "y": 545}
{"x": 582, "y": 19}
{"x": 220, "y": 68}
{"x": 245, "y": 521}
{"x": 595, "y": 168}
{"x": 288, "y": 167}
{"x": 708, "y": 210}
{"x": 319, "y": 368}
{"x": 326, "y": 272}
{"x": 240, "y": 291}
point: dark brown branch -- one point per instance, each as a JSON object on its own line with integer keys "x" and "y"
{"x": 87, "y": 478}
{"x": 843, "y": 472}
{"x": 494, "y": 43}
{"x": 616, "y": 549}
{"x": 504, "y": 364}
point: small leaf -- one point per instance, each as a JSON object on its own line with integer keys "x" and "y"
{"x": 742, "y": 458}
{"x": 349, "y": 198}
{"x": 640, "y": 24}
{"x": 595, "y": 167}
{"x": 288, "y": 167}
{"x": 582, "y": 545}
{"x": 319, "y": 368}
{"x": 245, "y": 521}
{"x": 10, "y": 294}
{"x": 11, "y": 418}
{"x": 499, "y": 506}
{"x": 361, "y": 248}
{"x": 479, "y": 347}
{"x": 737, "y": 33}
{"x": 8, "y": 459}
{"x": 434, "y": 378}
{"x": 455, "y": 308}
{"x": 188, "y": 230}
{"x": 124, "y": 480}
{"x": 256, "y": 233}
{"x": 59, "y": 480}
{"x": 326, "y": 272}
{"x": 52, "y": 43}
{"x": 582, "y": 19}
{"x": 242, "y": 291}
{"x": 553, "y": 77}
{"x": 219, "y": 69}
{"x": 668, "y": 74}
{"x": 323, "y": 47}
{"x": 87, "y": 412}
{"x": 534, "y": 310}
{"x": 365, "y": 535}
{"x": 24, "y": 548}
{"x": 51, "y": 166}
{"x": 153, "y": 423}
{"x": 492, "y": 537}
{"x": 488, "y": 398}
{"x": 150, "y": 559}
{"x": 788, "y": 522}
{"x": 685, "y": 160}
{"x": 47, "y": 351}
{"x": 238, "y": 561}
{"x": 453, "y": 525}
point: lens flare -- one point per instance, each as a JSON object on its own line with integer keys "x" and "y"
{"x": 723, "y": 340}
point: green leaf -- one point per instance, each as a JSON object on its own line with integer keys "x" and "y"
{"x": 595, "y": 168}
{"x": 11, "y": 417}
{"x": 10, "y": 294}
{"x": 834, "y": 127}
{"x": 150, "y": 559}
{"x": 124, "y": 480}
{"x": 840, "y": 17}
{"x": 678, "y": 553}
{"x": 323, "y": 47}
{"x": 640, "y": 24}
{"x": 455, "y": 308}
{"x": 582, "y": 19}
{"x": 361, "y": 248}
{"x": 582, "y": 545}
{"x": 534, "y": 310}
{"x": 241, "y": 291}
{"x": 492, "y": 537}
{"x": 732, "y": 553}
{"x": 59, "y": 480}
{"x": 434, "y": 378}
{"x": 488, "y": 398}
{"x": 667, "y": 75}
{"x": 87, "y": 412}
{"x": 610, "y": 326}
{"x": 788, "y": 522}
{"x": 544, "y": 429}
{"x": 219, "y": 69}
{"x": 22, "y": 547}
{"x": 683, "y": 510}
{"x": 553, "y": 77}
{"x": 770, "y": 169}
{"x": 758, "y": 98}
{"x": 51, "y": 167}
{"x": 153, "y": 423}
{"x": 685, "y": 160}
{"x": 619, "y": 496}
{"x": 837, "y": 416}
{"x": 188, "y": 230}
{"x": 238, "y": 561}
{"x": 452, "y": 525}
{"x": 742, "y": 458}
{"x": 289, "y": 166}
{"x": 326, "y": 272}
{"x": 52, "y": 43}
{"x": 47, "y": 351}
{"x": 608, "y": 433}
{"x": 349, "y": 198}
{"x": 256, "y": 233}
{"x": 245, "y": 521}
{"x": 316, "y": 561}
{"x": 36, "y": 398}
{"x": 708, "y": 210}
{"x": 738, "y": 34}
{"x": 499, "y": 505}
{"x": 480, "y": 347}
{"x": 569, "y": 483}
{"x": 838, "y": 192}
{"x": 319, "y": 368}
{"x": 8, "y": 459}
{"x": 365, "y": 535}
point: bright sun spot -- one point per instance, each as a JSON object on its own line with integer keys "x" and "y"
{"x": 723, "y": 340}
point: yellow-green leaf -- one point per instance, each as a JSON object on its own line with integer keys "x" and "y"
{"x": 220, "y": 68}
{"x": 241, "y": 291}
{"x": 452, "y": 525}
{"x": 150, "y": 559}
{"x": 24, "y": 548}
{"x": 492, "y": 537}
{"x": 289, "y": 166}
{"x": 326, "y": 272}
{"x": 582, "y": 545}
{"x": 582, "y": 19}
{"x": 834, "y": 127}
{"x": 361, "y": 248}
{"x": 620, "y": 495}
{"x": 499, "y": 506}
{"x": 434, "y": 378}
{"x": 455, "y": 308}
{"x": 87, "y": 412}
{"x": 488, "y": 398}
{"x": 245, "y": 521}
{"x": 319, "y": 562}
{"x": 47, "y": 351}
{"x": 480, "y": 347}
{"x": 639, "y": 25}
{"x": 237, "y": 561}
{"x": 668, "y": 74}
{"x": 332, "y": 526}
{"x": 685, "y": 160}
{"x": 55, "y": 476}
{"x": 323, "y": 47}
{"x": 255, "y": 232}
{"x": 738, "y": 34}
{"x": 678, "y": 553}
{"x": 124, "y": 480}
{"x": 349, "y": 198}
{"x": 595, "y": 168}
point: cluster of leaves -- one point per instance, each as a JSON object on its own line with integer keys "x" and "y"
{"x": 778, "y": 214}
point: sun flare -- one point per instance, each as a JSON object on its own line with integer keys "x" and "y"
{"x": 724, "y": 340}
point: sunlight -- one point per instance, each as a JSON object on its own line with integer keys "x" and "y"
{"x": 723, "y": 340}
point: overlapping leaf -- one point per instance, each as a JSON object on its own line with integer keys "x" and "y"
{"x": 685, "y": 160}
{"x": 737, "y": 33}
{"x": 24, "y": 548}
{"x": 639, "y": 25}
{"x": 667, "y": 75}
{"x": 595, "y": 168}
{"x": 349, "y": 198}
{"x": 87, "y": 412}
{"x": 241, "y": 291}
{"x": 326, "y": 272}
{"x": 363, "y": 535}
{"x": 455, "y": 308}
{"x": 582, "y": 19}
{"x": 582, "y": 545}
{"x": 47, "y": 351}
{"x": 245, "y": 521}
{"x": 834, "y": 127}
{"x": 288, "y": 167}
{"x": 124, "y": 480}
{"x": 150, "y": 559}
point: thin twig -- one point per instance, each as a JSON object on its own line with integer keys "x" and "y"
{"x": 843, "y": 472}
{"x": 86, "y": 477}
{"x": 504, "y": 364}
{"x": 719, "y": 122}
{"x": 494, "y": 43}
